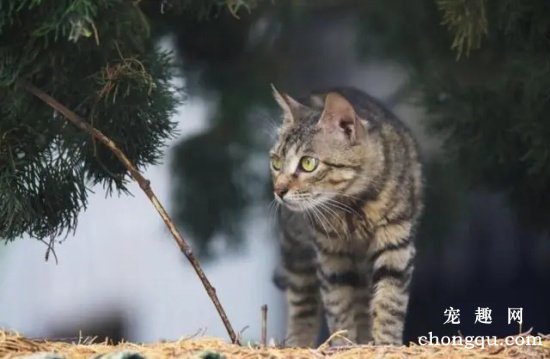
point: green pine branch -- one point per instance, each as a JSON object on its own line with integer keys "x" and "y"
{"x": 97, "y": 57}
{"x": 467, "y": 22}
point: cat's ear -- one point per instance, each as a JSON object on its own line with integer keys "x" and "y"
{"x": 291, "y": 108}
{"x": 340, "y": 117}
{"x": 317, "y": 101}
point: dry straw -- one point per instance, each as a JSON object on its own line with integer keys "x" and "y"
{"x": 14, "y": 345}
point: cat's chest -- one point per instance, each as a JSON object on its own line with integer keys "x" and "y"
{"x": 343, "y": 235}
{"x": 334, "y": 231}
{"x": 344, "y": 226}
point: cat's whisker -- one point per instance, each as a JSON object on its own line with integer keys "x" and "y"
{"x": 270, "y": 209}
{"x": 342, "y": 206}
{"x": 315, "y": 212}
{"x": 306, "y": 210}
{"x": 339, "y": 194}
{"x": 322, "y": 207}
{"x": 273, "y": 205}
{"x": 336, "y": 204}
{"x": 277, "y": 210}
{"x": 327, "y": 205}
{"x": 320, "y": 210}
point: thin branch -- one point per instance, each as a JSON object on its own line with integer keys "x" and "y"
{"x": 146, "y": 187}
{"x": 50, "y": 249}
{"x": 264, "y": 326}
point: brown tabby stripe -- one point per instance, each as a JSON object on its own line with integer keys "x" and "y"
{"x": 350, "y": 278}
{"x": 320, "y": 175}
{"x": 342, "y": 165}
{"x": 306, "y": 313}
{"x": 403, "y": 243}
{"x": 335, "y": 303}
{"x": 385, "y": 272}
{"x": 324, "y": 228}
{"x": 322, "y": 248}
{"x": 299, "y": 269}
{"x": 305, "y": 301}
{"x": 377, "y": 184}
{"x": 309, "y": 288}
{"x": 393, "y": 311}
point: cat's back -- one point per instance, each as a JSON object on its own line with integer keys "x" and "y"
{"x": 381, "y": 121}
{"x": 364, "y": 104}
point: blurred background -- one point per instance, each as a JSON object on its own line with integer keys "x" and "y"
{"x": 480, "y": 114}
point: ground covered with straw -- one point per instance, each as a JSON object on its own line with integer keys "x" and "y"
{"x": 13, "y": 345}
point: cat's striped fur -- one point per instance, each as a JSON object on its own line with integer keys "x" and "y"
{"x": 348, "y": 225}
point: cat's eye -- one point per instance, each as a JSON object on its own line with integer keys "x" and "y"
{"x": 308, "y": 163}
{"x": 276, "y": 163}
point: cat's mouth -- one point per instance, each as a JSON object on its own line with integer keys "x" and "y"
{"x": 291, "y": 203}
{"x": 293, "y": 206}
{"x": 299, "y": 202}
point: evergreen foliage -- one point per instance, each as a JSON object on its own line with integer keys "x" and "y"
{"x": 497, "y": 120}
{"x": 484, "y": 84}
{"x": 467, "y": 20}
{"x": 95, "y": 57}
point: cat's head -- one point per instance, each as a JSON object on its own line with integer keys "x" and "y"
{"x": 319, "y": 153}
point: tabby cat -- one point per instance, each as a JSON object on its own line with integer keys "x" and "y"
{"x": 348, "y": 176}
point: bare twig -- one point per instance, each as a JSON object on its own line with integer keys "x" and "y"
{"x": 264, "y": 326}
{"x": 146, "y": 187}
{"x": 50, "y": 249}
{"x": 244, "y": 329}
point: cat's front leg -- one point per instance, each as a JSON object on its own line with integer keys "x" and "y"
{"x": 338, "y": 279}
{"x": 304, "y": 310}
{"x": 302, "y": 293}
{"x": 392, "y": 259}
{"x": 363, "y": 316}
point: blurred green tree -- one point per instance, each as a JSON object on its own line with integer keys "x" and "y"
{"x": 487, "y": 94}
{"x": 213, "y": 183}
{"x": 496, "y": 115}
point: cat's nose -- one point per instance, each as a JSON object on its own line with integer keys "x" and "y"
{"x": 281, "y": 191}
